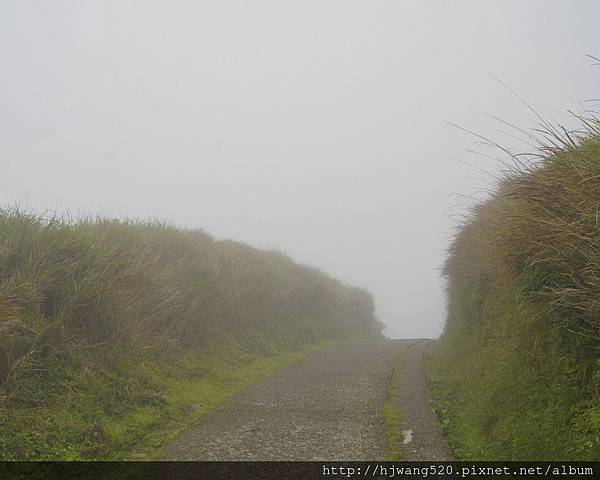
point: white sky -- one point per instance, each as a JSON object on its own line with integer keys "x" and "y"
{"x": 315, "y": 127}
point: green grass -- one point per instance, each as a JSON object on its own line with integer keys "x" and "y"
{"x": 516, "y": 374}
{"x": 133, "y": 413}
{"x": 392, "y": 415}
{"x": 115, "y": 335}
{"x": 493, "y": 407}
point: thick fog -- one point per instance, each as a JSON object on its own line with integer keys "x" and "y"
{"x": 319, "y": 128}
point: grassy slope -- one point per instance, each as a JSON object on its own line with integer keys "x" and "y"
{"x": 516, "y": 373}
{"x": 116, "y": 335}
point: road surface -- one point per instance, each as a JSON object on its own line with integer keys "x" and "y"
{"x": 325, "y": 407}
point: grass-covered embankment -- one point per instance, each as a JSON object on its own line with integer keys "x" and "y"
{"x": 116, "y": 335}
{"x": 516, "y": 374}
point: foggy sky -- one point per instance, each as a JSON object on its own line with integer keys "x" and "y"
{"x": 315, "y": 127}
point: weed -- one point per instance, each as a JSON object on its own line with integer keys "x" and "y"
{"x": 110, "y": 330}
{"x": 392, "y": 414}
{"x": 514, "y": 375}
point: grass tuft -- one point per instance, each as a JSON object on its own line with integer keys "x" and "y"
{"x": 516, "y": 373}
{"x": 113, "y": 334}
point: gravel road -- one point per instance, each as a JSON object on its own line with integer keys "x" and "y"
{"x": 325, "y": 407}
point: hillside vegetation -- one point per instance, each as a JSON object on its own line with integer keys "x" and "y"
{"x": 115, "y": 335}
{"x": 516, "y": 374}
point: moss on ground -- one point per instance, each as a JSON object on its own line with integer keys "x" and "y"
{"x": 392, "y": 415}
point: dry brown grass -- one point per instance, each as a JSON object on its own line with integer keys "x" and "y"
{"x": 519, "y": 360}
{"x": 79, "y": 294}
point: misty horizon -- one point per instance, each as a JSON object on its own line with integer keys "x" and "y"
{"x": 319, "y": 130}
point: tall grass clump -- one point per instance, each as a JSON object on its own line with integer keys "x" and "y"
{"x": 516, "y": 374}
{"x": 103, "y": 323}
